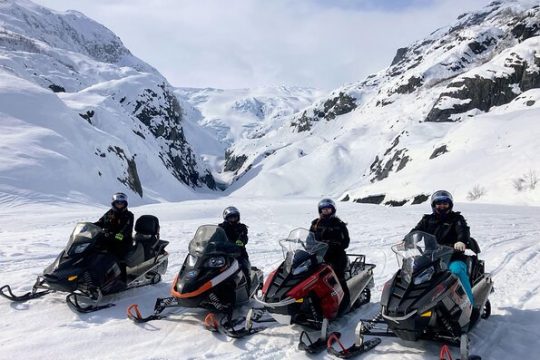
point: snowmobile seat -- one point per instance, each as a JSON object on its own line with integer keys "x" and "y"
{"x": 474, "y": 266}
{"x": 474, "y": 246}
{"x": 135, "y": 255}
{"x": 147, "y": 235}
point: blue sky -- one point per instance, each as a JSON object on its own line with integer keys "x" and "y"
{"x": 251, "y": 43}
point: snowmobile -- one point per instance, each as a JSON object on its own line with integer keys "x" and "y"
{"x": 88, "y": 271}
{"x": 304, "y": 290}
{"x": 424, "y": 300}
{"x": 210, "y": 279}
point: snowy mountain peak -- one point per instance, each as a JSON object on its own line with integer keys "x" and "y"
{"x": 434, "y": 110}
{"x": 86, "y": 99}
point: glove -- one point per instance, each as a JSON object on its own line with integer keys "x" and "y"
{"x": 459, "y": 246}
{"x": 239, "y": 243}
{"x": 119, "y": 236}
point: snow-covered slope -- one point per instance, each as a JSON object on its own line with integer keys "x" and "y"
{"x": 81, "y": 117}
{"x": 229, "y": 116}
{"x": 45, "y": 328}
{"x": 455, "y": 110}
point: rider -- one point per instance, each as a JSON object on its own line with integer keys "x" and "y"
{"x": 237, "y": 233}
{"x": 328, "y": 228}
{"x": 118, "y": 223}
{"x": 451, "y": 229}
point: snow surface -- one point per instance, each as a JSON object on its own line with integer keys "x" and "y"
{"x": 32, "y": 234}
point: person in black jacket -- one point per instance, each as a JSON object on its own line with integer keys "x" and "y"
{"x": 237, "y": 233}
{"x": 118, "y": 224}
{"x": 450, "y": 229}
{"x": 328, "y": 228}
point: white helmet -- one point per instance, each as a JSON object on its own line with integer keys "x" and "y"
{"x": 119, "y": 197}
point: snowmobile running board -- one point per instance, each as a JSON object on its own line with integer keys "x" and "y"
{"x": 34, "y": 294}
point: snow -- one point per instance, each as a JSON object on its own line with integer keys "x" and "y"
{"x": 32, "y": 234}
{"x": 56, "y": 170}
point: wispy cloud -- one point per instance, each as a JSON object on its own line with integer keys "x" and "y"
{"x": 247, "y": 43}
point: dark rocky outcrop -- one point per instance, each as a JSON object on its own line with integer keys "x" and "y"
{"x": 380, "y": 169}
{"x": 400, "y": 55}
{"x": 233, "y": 162}
{"x": 372, "y": 199}
{"x": 419, "y": 199}
{"x": 412, "y": 84}
{"x": 88, "y": 116}
{"x": 438, "y": 151}
{"x": 162, "y": 114}
{"x": 130, "y": 177}
{"x": 483, "y": 93}
{"x": 396, "y": 203}
{"x": 338, "y": 105}
{"x": 57, "y": 88}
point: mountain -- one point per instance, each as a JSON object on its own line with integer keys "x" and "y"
{"x": 456, "y": 110}
{"x": 81, "y": 117}
{"x": 232, "y": 115}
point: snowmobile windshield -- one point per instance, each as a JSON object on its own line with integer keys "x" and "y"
{"x": 81, "y": 237}
{"x": 418, "y": 250}
{"x": 301, "y": 244}
{"x": 211, "y": 240}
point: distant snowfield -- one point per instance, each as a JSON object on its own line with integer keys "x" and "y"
{"x": 33, "y": 234}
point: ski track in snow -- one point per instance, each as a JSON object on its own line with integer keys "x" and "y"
{"x": 45, "y": 328}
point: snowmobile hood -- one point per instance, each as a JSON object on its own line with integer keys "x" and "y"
{"x": 182, "y": 289}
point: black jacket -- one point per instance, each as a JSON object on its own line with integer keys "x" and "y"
{"x": 332, "y": 231}
{"x": 237, "y": 231}
{"x": 115, "y": 222}
{"x": 448, "y": 229}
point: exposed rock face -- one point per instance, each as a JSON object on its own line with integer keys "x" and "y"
{"x": 483, "y": 93}
{"x": 234, "y": 162}
{"x": 419, "y": 199}
{"x": 338, "y": 105}
{"x": 439, "y": 151}
{"x": 130, "y": 177}
{"x": 372, "y": 199}
{"x": 160, "y": 111}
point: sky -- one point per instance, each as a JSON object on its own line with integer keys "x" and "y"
{"x": 256, "y": 43}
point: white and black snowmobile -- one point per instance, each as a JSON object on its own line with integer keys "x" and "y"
{"x": 304, "y": 290}
{"x": 88, "y": 271}
{"x": 210, "y": 279}
{"x": 424, "y": 300}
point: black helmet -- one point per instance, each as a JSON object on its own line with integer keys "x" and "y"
{"x": 119, "y": 197}
{"x": 230, "y": 211}
{"x": 327, "y": 203}
{"x": 442, "y": 196}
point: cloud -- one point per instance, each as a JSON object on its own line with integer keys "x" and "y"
{"x": 249, "y": 43}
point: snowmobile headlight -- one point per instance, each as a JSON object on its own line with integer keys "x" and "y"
{"x": 215, "y": 262}
{"x": 80, "y": 248}
{"x": 302, "y": 267}
{"x": 424, "y": 276}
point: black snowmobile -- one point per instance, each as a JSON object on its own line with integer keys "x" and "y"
{"x": 304, "y": 290}
{"x": 88, "y": 271}
{"x": 210, "y": 279}
{"x": 424, "y": 300}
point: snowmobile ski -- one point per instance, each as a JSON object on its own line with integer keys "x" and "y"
{"x": 73, "y": 302}
{"x": 34, "y": 294}
{"x": 229, "y": 327}
{"x": 134, "y": 314}
{"x": 359, "y": 347}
